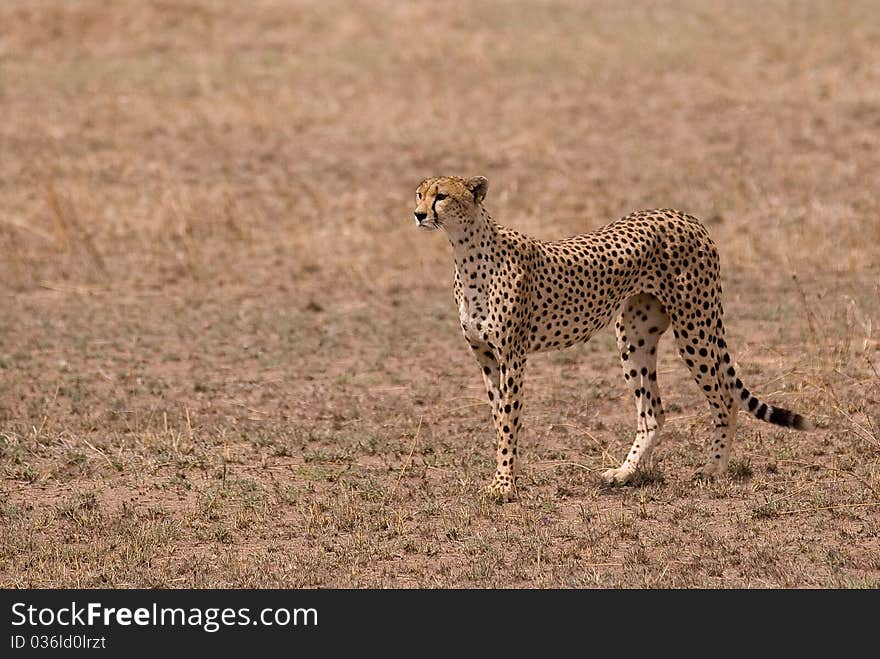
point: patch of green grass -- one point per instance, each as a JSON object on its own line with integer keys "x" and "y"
{"x": 22, "y": 472}
{"x": 740, "y": 469}
{"x": 647, "y": 475}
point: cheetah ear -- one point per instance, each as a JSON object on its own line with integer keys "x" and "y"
{"x": 478, "y": 185}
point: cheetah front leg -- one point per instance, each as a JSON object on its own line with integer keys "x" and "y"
{"x": 504, "y": 381}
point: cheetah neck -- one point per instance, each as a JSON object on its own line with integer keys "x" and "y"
{"x": 475, "y": 250}
{"x": 477, "y": 238}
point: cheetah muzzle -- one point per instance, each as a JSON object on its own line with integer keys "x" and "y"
{"x": 647, "y": 271}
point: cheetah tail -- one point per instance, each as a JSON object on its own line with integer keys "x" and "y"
{"x": 761, "y": 410}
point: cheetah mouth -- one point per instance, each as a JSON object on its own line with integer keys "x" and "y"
{"x": 427, "y": 225}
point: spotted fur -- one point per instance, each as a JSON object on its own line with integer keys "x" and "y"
{"x": 649, "y": 270}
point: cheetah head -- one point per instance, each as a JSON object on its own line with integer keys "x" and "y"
{"x": 448, "y": 201}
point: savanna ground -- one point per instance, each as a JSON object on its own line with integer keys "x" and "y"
{"x": 228, "y": 358}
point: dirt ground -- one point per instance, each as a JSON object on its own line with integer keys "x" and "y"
{"x": 229, "y": 359}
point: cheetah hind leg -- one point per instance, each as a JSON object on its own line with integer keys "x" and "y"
{"x": 703, "y": 358}
{"x": 724, "y": 407}
{"x": 641, "y": 322}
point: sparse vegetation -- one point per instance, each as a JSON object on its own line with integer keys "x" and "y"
{"x": 228, "y": 359}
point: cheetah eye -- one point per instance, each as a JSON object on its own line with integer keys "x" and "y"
{"x": 418, "y": 195}
{"x": 440, "y": 196}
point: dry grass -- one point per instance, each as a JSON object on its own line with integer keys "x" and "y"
{"x": 228, "y": 359}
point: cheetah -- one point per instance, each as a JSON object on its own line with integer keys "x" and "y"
{"x": 649, "y": 270}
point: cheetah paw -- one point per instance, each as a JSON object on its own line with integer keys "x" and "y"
{"x": 707, "y": 472}
{"x": 619, "y": 476}
{"x": 501, "y": 491}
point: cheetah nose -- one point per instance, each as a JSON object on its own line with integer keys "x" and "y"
{"x": 420, "y": 216}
